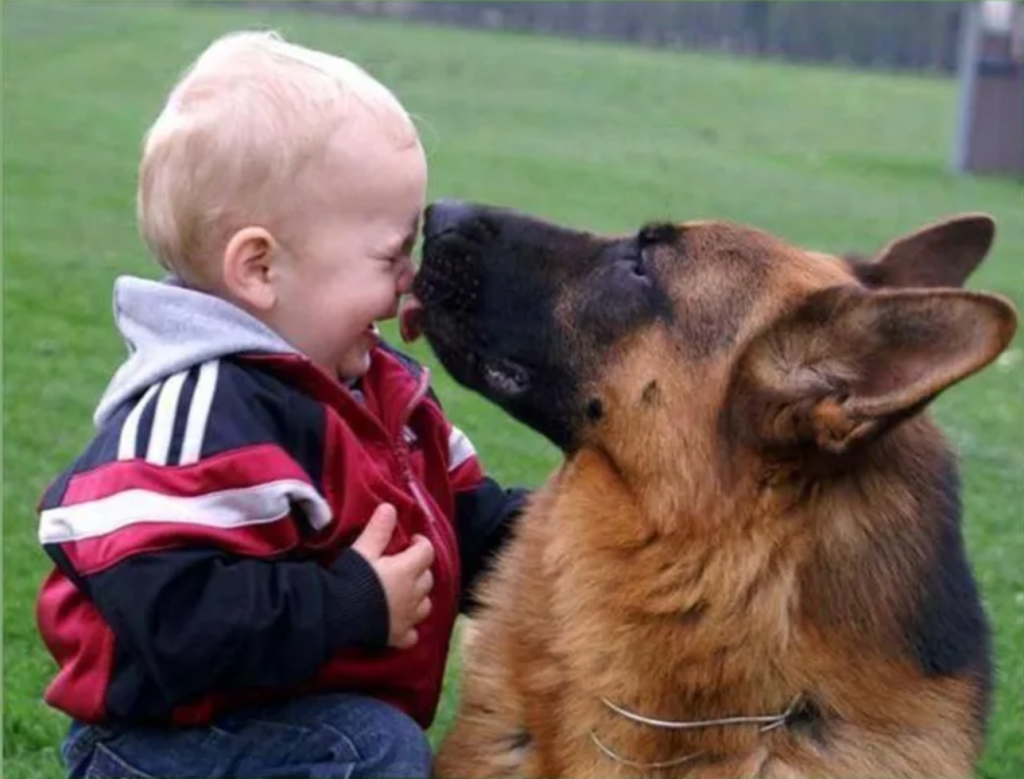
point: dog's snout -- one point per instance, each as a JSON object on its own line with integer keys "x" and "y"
{"x": 445, "y": 215}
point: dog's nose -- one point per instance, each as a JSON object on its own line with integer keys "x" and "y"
{"x": 445, "y": 215}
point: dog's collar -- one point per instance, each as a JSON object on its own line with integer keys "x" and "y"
{"x": 766, "y": 722}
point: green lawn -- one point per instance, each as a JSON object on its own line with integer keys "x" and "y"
{"x": 595, "y": 135}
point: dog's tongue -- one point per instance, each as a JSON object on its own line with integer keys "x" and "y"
{"x": 410, "y": 320}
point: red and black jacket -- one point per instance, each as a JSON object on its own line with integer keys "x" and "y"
{"x": 202, "y": 541}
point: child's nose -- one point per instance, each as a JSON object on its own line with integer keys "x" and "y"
{"x": 404, "y": 285}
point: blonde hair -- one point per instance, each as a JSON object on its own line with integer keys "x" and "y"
{"x": 245, "y": 120}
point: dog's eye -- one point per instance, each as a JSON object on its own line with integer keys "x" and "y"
{"x": 632, "y": 264}
{"x": 639, "y": 267}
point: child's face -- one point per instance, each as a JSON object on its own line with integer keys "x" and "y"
{"x": 352, "y": 259}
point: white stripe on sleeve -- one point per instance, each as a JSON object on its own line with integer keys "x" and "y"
{"x": 227, "y": 509}
{"x": 163, "y": 419}
{"x": 199, "y": 412}
{"x": 127, "y": 447}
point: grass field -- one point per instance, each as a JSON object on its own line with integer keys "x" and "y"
{"x": 595, "y": 135}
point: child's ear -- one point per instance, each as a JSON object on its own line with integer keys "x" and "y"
{"x": 247, "y": 265}
{"x": 849, "y": 364}
{"x": 942, "y": 254}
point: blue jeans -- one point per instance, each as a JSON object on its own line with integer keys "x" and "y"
{"x": 319, "y": 737}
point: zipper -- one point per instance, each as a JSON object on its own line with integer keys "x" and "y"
{"x": 401, "y": 449}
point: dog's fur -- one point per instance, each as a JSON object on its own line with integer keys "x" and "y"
{"x": 753, "y": 508}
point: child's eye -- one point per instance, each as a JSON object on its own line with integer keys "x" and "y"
{"x": 399, "y": 261}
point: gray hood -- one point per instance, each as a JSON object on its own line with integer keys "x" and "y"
{"x": 168, "y": 328}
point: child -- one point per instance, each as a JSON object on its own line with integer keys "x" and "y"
{"x": 260, "y": 556}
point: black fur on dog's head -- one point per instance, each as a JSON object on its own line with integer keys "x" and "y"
{"x": 521, "y": 310}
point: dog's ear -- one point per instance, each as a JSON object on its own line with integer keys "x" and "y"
{"x": 849, "y": 363}
{"x": 943, "y": 254}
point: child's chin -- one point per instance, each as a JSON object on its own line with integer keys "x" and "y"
{"x": 355, "y": 366}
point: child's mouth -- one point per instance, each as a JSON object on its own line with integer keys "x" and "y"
{"x": 373, "y": 332}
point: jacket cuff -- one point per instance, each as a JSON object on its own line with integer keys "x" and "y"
{"x": 357, "y": 608}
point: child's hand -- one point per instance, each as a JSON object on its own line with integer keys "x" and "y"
{"x": 406, "y": 576}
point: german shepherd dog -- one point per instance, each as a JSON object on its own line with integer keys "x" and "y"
{"x": 750, "y": 563}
